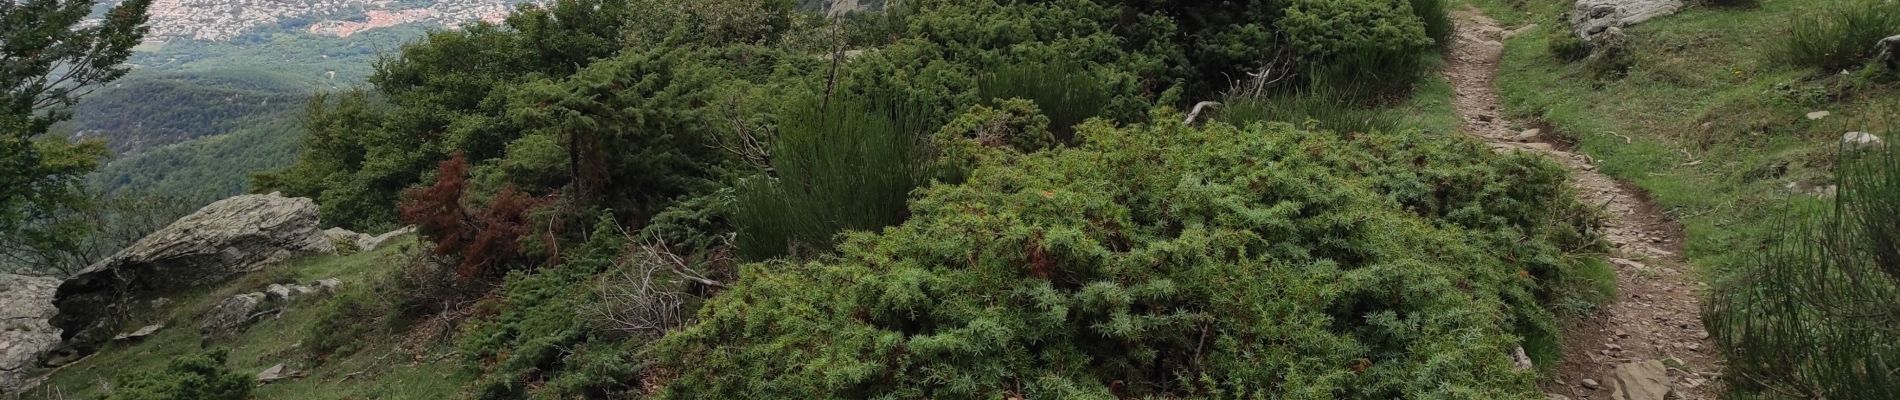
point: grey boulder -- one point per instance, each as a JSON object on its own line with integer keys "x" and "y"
{"x": 233, "y": 313}
{"x": 368, "y": 243}
{"x": 1860, "y": 140}
{"x": 230, "y": 237}
{"x": 364, "y": 242}
{"x": 237, "y": 312}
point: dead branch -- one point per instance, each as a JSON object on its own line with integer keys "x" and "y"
{"x": 1198, "y": 108}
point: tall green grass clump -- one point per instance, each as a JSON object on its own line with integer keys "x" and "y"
{"x": 846, "y": 165}
{"x": 1815, "y": 315}
{"x": 1436, "y": 17}
{"x": 1841, "y": 36}
{"x": 1066, "y": 94}
{"x": 1314, "y": 108}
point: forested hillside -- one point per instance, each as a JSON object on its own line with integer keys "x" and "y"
{"x": 151, "y": 110}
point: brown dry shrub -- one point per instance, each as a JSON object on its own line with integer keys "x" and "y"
{"x": 482, "y": 242}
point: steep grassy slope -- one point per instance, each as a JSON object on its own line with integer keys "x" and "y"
{"x": 388, "y": 367}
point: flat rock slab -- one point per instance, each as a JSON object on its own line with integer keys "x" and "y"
{"x": 148, "y": 330}
{"x": 1591, "y": 17}
{"x": 1647, "y": 380}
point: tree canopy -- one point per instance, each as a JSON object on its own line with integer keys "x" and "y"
{"x": 50, "y": 56}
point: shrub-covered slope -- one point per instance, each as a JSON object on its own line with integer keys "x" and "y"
{"x": 1169, "y": 261}
{"x": 601, "y": 156}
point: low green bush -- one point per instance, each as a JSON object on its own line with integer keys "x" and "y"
{"x": 1841, "y": 36}
{"x": 1168, "y": 261}
{"x": 341, "y": 322}
{"x": 1566, "y": 46}
{"x": 1014, "y": 126}
{"x": 1370, "y": 46}
{"x": 192, "y": 377}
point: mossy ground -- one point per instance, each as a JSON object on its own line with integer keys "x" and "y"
{"x": 383, "y": 370}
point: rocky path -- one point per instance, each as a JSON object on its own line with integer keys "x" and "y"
{"x": 1649, "y": 342}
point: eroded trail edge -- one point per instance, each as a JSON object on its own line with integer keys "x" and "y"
{"x": 1649, "y": 342}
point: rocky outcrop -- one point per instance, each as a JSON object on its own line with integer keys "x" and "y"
{"x": 344, "y": 239}
{"x": 230, "y": 237}
{"x": 362, "y": 242}
{"x": 237, "y": 312}
{"x": 232, "y": 313}
{"x": 26, "y": 302}
{"x": 372, "y": 242}
{"x": 1592, "y": 17}
{"x": 1887, "y": 53}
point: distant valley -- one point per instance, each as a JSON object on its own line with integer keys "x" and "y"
{"x": 224, "y": 20}
{"x": 218, "y": 85}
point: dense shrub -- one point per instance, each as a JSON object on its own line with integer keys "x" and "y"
{"x": 192, "y": 377}
{"x": 1841, "y": 36}
{"x": 632, "y": 131}
{"x": 1363, "y": 45}
{"x": 954, "y": 48}
{"x": 545, "y": 339}
{"x": 615, "y": 87}
{"x": 1014, "y": 126}
{"x": 1166, "y": 261}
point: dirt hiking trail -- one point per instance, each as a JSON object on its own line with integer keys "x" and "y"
{"x": 1649, "y": 341}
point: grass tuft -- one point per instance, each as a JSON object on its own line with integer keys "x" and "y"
{"x": 1841, "y": 36}
{"x": 846, "y": 166}
{"x": 1317, "y": 107}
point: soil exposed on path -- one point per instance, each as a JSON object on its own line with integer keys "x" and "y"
{"x": 1657, "y": 311}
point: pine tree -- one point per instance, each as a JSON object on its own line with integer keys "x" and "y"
{"x": 50, "y": 56}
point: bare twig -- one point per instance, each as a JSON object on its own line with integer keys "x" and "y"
{"x": 1626, "y": 139}
{"x": 660, "y": 251}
